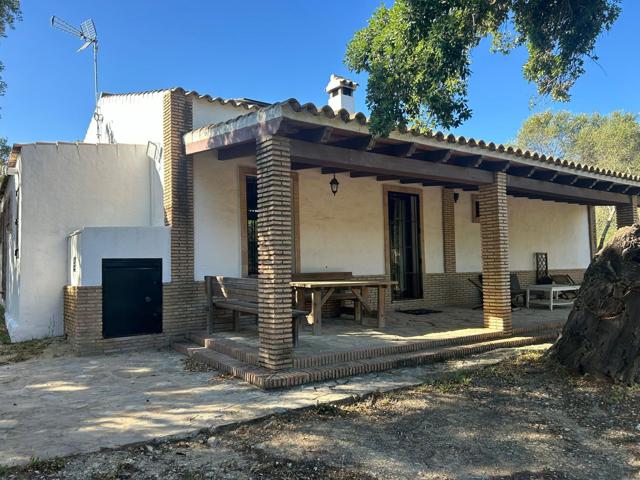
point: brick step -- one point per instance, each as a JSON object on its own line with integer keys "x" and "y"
{"x": 297, "y": 376}
{"x": 250, "y": 355}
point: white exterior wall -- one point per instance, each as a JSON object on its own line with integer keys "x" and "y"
{"x": 341, "y": 233}
{"x": 63, "y": 188}
{"x": 12, "y": 280}
{"x": 88, "y": 246}
{"x": 134, "y": 118}
{"x": 346, "y": 232}
{"x": 216, "y": 215}
{"x": 206, "y": 112}
{"x": 560, "y": 229}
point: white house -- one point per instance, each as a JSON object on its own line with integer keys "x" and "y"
{"x": 110, "y": 242}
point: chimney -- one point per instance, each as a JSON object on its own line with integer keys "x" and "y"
{"x": 340, "y": 92}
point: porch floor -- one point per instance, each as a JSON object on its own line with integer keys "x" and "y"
{"x": 451, "y": 323}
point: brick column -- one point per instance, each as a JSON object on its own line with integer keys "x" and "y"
{"x": 627, "y": 215}
{"x": 494, "y": 228}
{"x": 274, "y": 252}
{"x": 178, "y": 183}
{"x": 593, "y": 236}
{"x": 448, "y": 231}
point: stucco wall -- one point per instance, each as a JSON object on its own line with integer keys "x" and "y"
{"x": 216, "y": 215}
{"x": 341, "y": 233}
{"x": 560, "y": 229}
{"x": 12, "y": 281}
{"x": 88, "y": 246}
{"x": 206, "y": 112}
{"x": 135, "y": 119}
{"x": 65, "y": 187}
{"x": 346, "y": 232}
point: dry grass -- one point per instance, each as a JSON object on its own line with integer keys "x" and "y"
{"x": 19, "y": 351}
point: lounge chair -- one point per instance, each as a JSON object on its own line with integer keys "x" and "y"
{"x": 516, "y": 290}
{"x": 565, "y": 279}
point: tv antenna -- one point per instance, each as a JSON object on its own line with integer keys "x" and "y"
{"x": 87, "y": 33}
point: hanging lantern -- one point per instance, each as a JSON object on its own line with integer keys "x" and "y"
{"x": 334, "y": 185}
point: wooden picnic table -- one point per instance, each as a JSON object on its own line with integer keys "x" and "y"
{"x": 323, "y": 290}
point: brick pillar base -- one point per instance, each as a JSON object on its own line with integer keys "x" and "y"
{"x": 448, "y": 230}
{"x": 627, "y": 215}
{"x": 274, "y": 252}
{"x": 494, "y": 228}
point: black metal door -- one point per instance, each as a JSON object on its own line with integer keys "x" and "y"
{"x": 404, "y": 244}
{"x": 131, "y": 296}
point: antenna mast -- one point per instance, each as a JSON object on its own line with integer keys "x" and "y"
{"x": 87, "y": 33}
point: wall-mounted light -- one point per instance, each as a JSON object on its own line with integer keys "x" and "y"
{"x": 456, "y": 197}
{"x": 334, "y": 183}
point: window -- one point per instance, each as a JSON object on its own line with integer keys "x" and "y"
{"x": 248, "y": 183}
{"x": 475, "y": 209}
{"x": 251, "y": 186}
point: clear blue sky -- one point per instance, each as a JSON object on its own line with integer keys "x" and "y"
{"x": 268, "y": 50}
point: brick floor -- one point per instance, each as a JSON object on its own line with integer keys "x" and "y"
{"x": 342, "y": 334}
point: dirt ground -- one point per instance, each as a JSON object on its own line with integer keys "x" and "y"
{"x": 21, "y": 351}
{"x": 525, "y": 418}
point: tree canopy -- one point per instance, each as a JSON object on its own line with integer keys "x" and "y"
{"x": 609, "y": 141}
{"x": 417, "y": 52}
{"x": 9, "y": 14}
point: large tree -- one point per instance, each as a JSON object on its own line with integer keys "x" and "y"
{"x": 417, "y": 52}
{"x": 9, "y": 14}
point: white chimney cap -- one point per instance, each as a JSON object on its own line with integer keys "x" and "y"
{"x": 336, "y": 81}
{"x": 340, "y": 92}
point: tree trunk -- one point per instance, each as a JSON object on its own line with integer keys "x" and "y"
{"x": 602, "y": 334}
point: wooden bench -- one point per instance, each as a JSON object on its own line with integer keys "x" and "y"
{"x": 247, "y": 302}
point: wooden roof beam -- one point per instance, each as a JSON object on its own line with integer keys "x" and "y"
{"x": 329, "y": 171}
{"x": 530, "y": 186}
{"x": 237, "y": 151}
{"x": 316, "y": 135}
{"x": 467, "y": 160}
{"x": 521, "y": 171}
{"x": 585, "y": 182}
{"x": 495, "y": 166}
{"x": 301, "y": 166}
{"x": 361, "y": 174}
{"x": 566, "y": 179}
{"x": 362, "y": 142}
{"x": 440, "y": 156}
{"x": 335, "y": 157}
{"x": 399, "y": 149}
{"x": 620, "y": 188}
{"x": 604, "y": 186}
{"x": 546, "y": 175}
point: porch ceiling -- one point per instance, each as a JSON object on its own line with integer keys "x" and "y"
{"x": 320, "y": 138}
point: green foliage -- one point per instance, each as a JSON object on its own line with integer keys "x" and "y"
{"x": 9, "y": 14}
{"x": 417, "y": 52}
{"x": 5, "y": 150}
{"x": 608, "y": 141}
